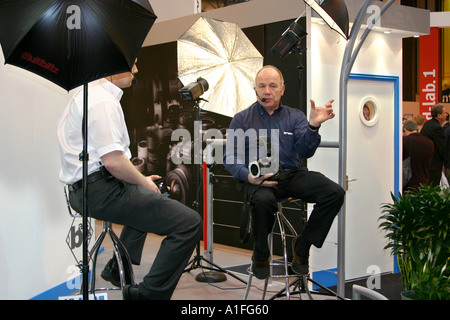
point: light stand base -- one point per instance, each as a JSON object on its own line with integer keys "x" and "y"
{"x": 210, "y": 277}
{"x": 217, "y": 274}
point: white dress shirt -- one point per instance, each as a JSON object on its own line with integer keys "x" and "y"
{"x": 107, "y": 130}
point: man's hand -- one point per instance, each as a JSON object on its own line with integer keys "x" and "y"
{"x": 262, "y": 180}
{"x": 319, "y": 115}
{"x": 151, "y": 183}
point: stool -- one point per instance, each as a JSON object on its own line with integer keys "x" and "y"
{"x": 119, "y": 250}
{"x": 300, "y": 281}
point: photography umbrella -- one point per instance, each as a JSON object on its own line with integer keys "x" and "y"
{"x": 71, "y": 43}
{"x": 222, "y": 54}
{"x": 334, "y": 13}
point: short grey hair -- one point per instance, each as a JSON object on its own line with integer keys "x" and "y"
{"x": 410, "y": 125}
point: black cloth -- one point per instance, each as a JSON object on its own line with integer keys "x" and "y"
{"x": 142, "y": 211}
{"x": 447, "y": 164}
{"x": 311, "y": 187}
{"x": 433, "y": 130}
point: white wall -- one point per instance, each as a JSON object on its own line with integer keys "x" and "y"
{"x": 34, "y": 221}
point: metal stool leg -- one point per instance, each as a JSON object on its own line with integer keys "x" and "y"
{"x": 93, "y": 254}
{"x": 284, "y": 244}
{"x": 301, "y": 281}
{"x": 120, "y": 252}
{"x": 283, "y": 221}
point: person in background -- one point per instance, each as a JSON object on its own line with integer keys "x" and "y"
{"x": 419, "y": 119}
{"x": 420, "y": 150}
{"x": 433, "y": 130}
{"x": 447, "y": 164}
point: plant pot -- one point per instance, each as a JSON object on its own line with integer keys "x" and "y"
{"x": 406, "y": 295}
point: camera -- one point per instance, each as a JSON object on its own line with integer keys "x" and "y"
{"x": 267, "y": 162}
{"x": 162, "y": 186}
{"x": 264, "y": 166}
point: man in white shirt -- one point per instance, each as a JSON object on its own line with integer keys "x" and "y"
{"x": 119, "y": 193}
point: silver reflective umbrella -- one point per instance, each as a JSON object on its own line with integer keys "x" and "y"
{"x": 220, "y": 53}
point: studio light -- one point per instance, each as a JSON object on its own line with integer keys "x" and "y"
{"x": 289, "y": 39}
{"x": 194, "y": 90}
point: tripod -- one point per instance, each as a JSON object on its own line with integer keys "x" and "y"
{"x": 217, "y": 273}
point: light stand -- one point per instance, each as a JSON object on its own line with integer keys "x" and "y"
{"x": 192, "y": 92}
{"x": 84, "y": 156}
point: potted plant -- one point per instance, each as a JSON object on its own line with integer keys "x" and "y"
{"x": 417, "y": 226}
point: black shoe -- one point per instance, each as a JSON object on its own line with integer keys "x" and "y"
{"x": 300, "y": 265}
{"x": 131, "y": 292}
{"x": 111, "y": 272}
{"x": 261, "y": 268}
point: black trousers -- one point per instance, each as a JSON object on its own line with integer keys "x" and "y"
{"x": 311, "y": 187}
{"x": 142, "y": 211}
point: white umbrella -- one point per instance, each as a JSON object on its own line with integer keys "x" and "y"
{"x": 220, "y": 53}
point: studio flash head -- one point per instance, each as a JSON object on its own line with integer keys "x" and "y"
{"x": 194, "y": 90}
{"x": 289, "y": 40}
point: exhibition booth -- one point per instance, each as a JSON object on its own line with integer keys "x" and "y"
{"x": 41, "y": 242}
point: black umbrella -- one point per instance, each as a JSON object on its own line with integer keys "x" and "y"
{"x": 71, "y": 43}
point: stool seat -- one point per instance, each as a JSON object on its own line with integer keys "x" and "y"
{"x": 280, "y": 269}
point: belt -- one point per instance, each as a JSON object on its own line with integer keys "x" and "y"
{"x": 95, "y": 176}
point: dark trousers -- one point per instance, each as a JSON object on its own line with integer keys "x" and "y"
{"x": 142, "y": 211}
{"x": 311, "y": 187}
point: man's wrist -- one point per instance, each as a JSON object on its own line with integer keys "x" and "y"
{"x": 313, "y": 126}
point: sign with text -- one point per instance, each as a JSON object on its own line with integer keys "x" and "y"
{"x": 429, "y": 72}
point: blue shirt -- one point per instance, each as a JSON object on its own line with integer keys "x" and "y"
{"x": 295, "y": 137}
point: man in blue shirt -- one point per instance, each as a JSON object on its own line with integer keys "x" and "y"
{"x": 270, "y": 120}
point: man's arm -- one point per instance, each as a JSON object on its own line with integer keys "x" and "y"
{"x": 122, "y": 168}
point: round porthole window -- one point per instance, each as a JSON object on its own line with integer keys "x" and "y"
{"x": 369, "y": 111}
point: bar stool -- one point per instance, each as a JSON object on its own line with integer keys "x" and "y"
{"x": 120, "y": 253}
{"x": 300, "y": 281}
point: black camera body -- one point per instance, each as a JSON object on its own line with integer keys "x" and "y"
{"x": 162, "y": 186}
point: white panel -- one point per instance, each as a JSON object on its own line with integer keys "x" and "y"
{"x": 370, "y": 157}
{"x": 370, "y": 160}
{"x": 34, "y": 221}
